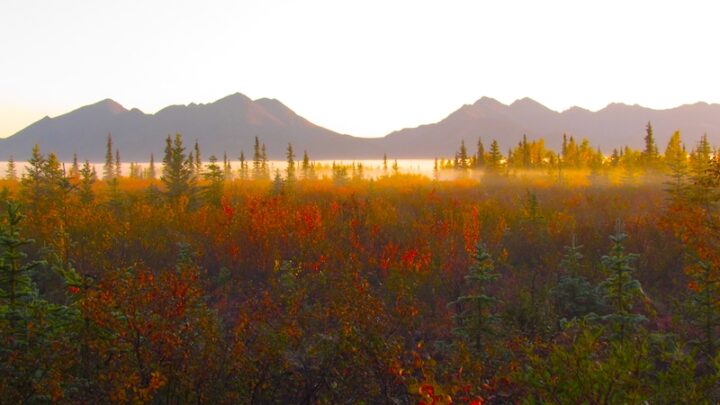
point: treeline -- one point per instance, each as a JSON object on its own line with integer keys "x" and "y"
{"x": 526, "y": 155}
{"x": 577, "y": 155}
{"x": 400, "y": 289}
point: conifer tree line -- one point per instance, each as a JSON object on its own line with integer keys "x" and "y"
{"x": 576, "y": 154}
{"x": 525, "y": 155}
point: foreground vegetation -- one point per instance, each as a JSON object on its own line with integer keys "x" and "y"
{"x": 535, "y": 281}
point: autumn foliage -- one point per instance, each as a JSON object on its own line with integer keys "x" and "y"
{"x": 396, "y": 289}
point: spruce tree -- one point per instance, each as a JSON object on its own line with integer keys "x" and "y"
{"x": 32, "y": 183}
{"x": 215, "y": 177}
{"x": 177, "y": 171}
{"x": 17, "y": 289}
{"x": 277, "y": 183}
{"x": 198, "y": 159}
{"x": 11, "y": 170}
{"x": 86, "y": 181}
{"x": 118, "y": 166}
{"x": 257, "y": 160}
{"x": 676, "y": 162}
{"x": 151, "y": 168}
{"x": 243, "y": 166}
{"x": 264, "y": 165}
{"x": 525, "y": 150}
{"x": 385, "y": 166}
{"x": 494, "y": 157}
{"x": 700, "y": 157}
{"x": 650, "y": 153}
{"x": 227, "y": 167}
{"x": 462, "y": 157}
{"x": 475, "y": 317}
{"x": 53, "y": 173}
{"x": 480, "y": 157}
{"x": 109, "y": 168}
{"x": 705, "y": 305}
{"x": 75, "y": 168}
{"x": 574, "y": 295}
{"x": 621, "y": 289}
{"x": 306, "y": 165}
{"x": 290, "y": 170}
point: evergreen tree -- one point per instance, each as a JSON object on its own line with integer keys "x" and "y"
{"x": 198, "y": 159}
{"x": 306, "y": 165}
{"x": 360, "y": 171}
{"x": 215, "y": 176}
{"x": 118, "y": 166}
{"x": 385, "y": 166}
{"x": 151, "y": 168}
{"x": 650, "y": 153}
{"x": 86, "y": 181}
{"x": 596, "y": 161}
{"x": 621, "y": 289}
{"x": 243, "y": 166}
{"x": 17, "y": 289}
{"x": 11, "y": 171}
{"x": 705, "y": 305}
{"x": 572, "y": 155}
{"x": 340, "y": 174}
{"x": 495, "y": 157}
{"x": 227, "y": 167}
{"x": 33, "y": 179}
{"x": 462, "y": 157}
{"x": 480, "y": 157}
{"x": 257, "y": 161}
{"x": 277, "y": 183}
{"x": 177, "y": 171}
{"x": 75, "y": 168}
{"x": 525, "y": 152}
{"x": 33, "y": 330}
{"x": 395, "y": 168}
{"x": 574, "y": 295}
{"x": 676, "y": 161}
{"x": 264, "y": 166}
{"x": 700, "y": 157}
{"x": 290, "y": 170}
{"x": 109, "y": 168}
{"x": 475, "y": 318}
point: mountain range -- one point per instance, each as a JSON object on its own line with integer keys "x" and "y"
{"x": 231, "y": 124}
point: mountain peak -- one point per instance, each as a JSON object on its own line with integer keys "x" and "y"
{"x": 488, "y": 101}
{"x": 109, "y": 105}
{"x": 235, "y": 98}
{"x": 527, "y": 102}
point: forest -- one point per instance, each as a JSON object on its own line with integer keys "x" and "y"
{"x": 524, "y": 276}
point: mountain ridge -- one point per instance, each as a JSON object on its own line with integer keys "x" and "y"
{"x": 231, "y": 123}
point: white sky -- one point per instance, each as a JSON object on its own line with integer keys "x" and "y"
{"x": 359, "y": 67}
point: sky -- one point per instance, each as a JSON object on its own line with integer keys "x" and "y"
{"x": 363, "y": 68}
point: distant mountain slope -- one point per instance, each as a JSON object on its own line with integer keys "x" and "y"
{"x": 227, "y": 125}
{"x": 231, "y": 123}
{"x": 614, "y": 126}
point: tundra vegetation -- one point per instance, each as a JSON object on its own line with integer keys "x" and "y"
{"x": 533, "y": 276}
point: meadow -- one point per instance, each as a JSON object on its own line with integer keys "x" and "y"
{"x": 534, "y": 278}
